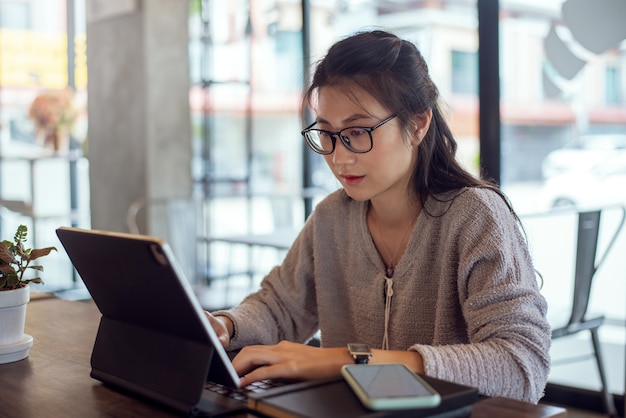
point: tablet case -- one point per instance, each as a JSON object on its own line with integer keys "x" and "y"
{"x": 334, "y": 399}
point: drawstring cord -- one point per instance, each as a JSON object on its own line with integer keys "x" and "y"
{"x": 388, "y": 296}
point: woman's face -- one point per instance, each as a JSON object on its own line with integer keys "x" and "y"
{"x": 384, "y": 171}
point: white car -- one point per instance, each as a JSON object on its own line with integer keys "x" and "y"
{"x": 587, "y": 152}
{"x": 603, "y": 184}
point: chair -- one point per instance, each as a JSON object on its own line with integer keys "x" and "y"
{"x": 586, "y": 267}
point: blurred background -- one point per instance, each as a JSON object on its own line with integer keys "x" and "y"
{"x": 181, "y": 119}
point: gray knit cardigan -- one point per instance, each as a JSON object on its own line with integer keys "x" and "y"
{"x": 465, "y": 293}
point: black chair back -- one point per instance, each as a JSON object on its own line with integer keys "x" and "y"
{"x": 586, "y": 250}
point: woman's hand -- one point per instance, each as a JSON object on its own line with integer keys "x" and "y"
{"x": 223, "y": 327}
{"x": 293, "y": 361}
{"x": 290, "y": 361}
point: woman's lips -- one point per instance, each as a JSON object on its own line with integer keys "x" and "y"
{"x": 352, "y": 180}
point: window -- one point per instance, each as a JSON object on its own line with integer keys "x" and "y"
{"x": 15, "y": 15}
{"x": 464, "y": 72}
{"x": 613, "y": 86}
{"x": 564, "y": 85}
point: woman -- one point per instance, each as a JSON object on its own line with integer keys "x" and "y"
{"x": 413, "y": 256}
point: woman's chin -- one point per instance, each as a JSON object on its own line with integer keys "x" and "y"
{"x": 355, "y": 195}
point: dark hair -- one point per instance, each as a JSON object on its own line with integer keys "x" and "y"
{"x": 394, "y": 73}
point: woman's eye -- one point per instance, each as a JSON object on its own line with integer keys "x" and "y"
{"x": 354, "y": 132}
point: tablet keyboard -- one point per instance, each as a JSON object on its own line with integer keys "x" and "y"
{"x": 242, "y": 393}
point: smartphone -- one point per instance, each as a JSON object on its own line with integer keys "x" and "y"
{"x": 389, "y": 386}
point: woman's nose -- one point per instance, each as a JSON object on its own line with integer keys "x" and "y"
{"x": 342, "y": 155}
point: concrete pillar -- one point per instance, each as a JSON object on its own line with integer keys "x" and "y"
{"x": 139, "y": 140}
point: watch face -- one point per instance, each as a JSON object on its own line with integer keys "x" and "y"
{"x": 358, "y": 348}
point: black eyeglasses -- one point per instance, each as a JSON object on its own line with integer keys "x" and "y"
{"x": 357, "y": 139}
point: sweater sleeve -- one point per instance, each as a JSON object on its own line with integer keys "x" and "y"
{"x": 509, "y": 337}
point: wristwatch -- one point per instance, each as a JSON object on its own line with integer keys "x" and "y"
{"x": 361, "y": 353}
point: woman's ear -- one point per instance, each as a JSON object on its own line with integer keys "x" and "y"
{"x": 421, "y": 123}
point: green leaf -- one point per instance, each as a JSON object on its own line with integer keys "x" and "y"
{"x": 40, "y": 252}
{"x": 6, "y": 269}
{"x": 21, "y": 234}
{"x": 6, "y": 255}
{"x": 19, "y": 249}
{"x": 11, "y": 282}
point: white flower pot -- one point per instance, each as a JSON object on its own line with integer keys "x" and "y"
{"x": 14, "y": 344}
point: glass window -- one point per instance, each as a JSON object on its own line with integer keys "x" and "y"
{"x": 613, "y": 86}
{"x": 563, "y": 133}
{"x": 38, "y": 188}
{"x": 246, "y": 66}
{"x": 15, "y": 14}
{"x": 464, "y": 72}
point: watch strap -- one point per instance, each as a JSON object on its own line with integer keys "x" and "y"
{"x": 361, "y": 358}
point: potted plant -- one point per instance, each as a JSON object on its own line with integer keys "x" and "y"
{"x": 15, "y": 261}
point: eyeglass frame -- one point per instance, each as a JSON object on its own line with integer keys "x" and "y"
{"x": 334, "y": 135}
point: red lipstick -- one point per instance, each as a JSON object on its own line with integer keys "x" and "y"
{"x": 352, "y": 180}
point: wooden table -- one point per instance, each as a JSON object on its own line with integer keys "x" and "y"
{"x": 54, "y": 380}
